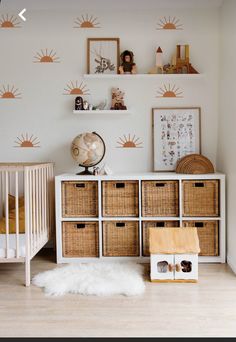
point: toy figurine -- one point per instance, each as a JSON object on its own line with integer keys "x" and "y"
{"x": 127, "y": 63}
{"x": 79, "y": 103}
{"x": 117, "y": 99}
{"x": 158, "y": 68}
{"x": 86, "y": 105}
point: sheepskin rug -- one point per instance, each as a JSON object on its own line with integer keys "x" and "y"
{"x": 100, "y": 279}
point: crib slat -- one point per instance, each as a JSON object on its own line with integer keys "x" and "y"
{"x": 17, "y": 214}
{"x": 7, "y": 212}
{"x": 29, "y": 204}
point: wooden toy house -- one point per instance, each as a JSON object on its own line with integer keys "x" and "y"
{"x": 174, "y": 254}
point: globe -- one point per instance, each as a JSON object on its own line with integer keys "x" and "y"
{"x": 88, "y": 149}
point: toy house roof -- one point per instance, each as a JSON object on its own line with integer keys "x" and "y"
{"x": 173, "y": 241}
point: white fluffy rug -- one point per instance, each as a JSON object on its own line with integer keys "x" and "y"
{"x": 101, "y": 279}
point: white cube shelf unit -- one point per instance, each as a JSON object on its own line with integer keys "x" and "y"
{"x": 107, "y": 217}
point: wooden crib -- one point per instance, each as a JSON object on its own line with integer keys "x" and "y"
{"x": 26, "y": 211}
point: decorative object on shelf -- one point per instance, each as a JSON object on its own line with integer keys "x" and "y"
{"x": 86, "y": 22}
{"x": 169, "y": 24}
{"x": 183, "y": 65}
{"x": 174, "y": 254}
{"x": 127, "y": 63}
{"x": 74, "y": 88}
{"x": 46, "y": 56}
{"x": 129, "y": 142}
{"x": 169, "y": 91}
{"x": 88, "y": 150}
{"x": 27, "y": 141}
{"x": 79, "y": 103}
{"x": 103, "y": 55}
{"x": 9, "y": 21}
{"x": 101, "y": 105}
{"x": 176, "y": 133}
{"x": 158, "y": 68}
{"x": 9, "y": 92}
{"x": 117, "y": 99}
{"x": 96, "y": 170}
{"x": 86, "y": 105}
{"x": 105, "y": 170}
{"x": 194, "y": 164}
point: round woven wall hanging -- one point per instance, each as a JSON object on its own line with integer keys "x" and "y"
{"x": 194, "y": 164}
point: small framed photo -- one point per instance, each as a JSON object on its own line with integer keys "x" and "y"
{"x": 103, "y": 55}
{"x": 176, "y": 133}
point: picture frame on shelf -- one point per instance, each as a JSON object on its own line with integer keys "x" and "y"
{"x": 103, "y": 55}
{"x": 176, "y": 133}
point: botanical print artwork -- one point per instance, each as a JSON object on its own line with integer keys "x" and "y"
{"x": 103, "y": 55}
{"x": 129, "y": 142}
{"x": 169, "y": 24}
{"x": 74, "y": 88}
{"x": 169, "y": 91}
{"x": 176, "y": 134}
{"x": 9, "y": 92}
{"x": 46, "y": 56}
{"x": 9, "y": 21}
{"x": 27, "y": 141}
{"x": 87, "y": 21}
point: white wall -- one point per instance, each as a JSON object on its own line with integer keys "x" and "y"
{"x": 46, "y": 113}
{"x": 227, "y": 121}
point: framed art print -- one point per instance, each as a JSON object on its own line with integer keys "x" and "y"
{"x": 103, "y": 55}
{"x": 176, "y": 133}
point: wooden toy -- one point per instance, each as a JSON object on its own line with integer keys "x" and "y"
{"x": 117, "y": 101}
{"x": 174, "y": 254}
{"x": 183, "y": 65}
{"x": 158, "y": 68}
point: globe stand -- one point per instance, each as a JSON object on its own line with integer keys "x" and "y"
{"x": 85, "y": 172}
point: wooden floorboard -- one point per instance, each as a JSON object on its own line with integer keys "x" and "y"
{"x": 207, "y": 308}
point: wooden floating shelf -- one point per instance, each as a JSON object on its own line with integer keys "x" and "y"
{"x": 154, "y": 76}
{"x": 107, "y": 111}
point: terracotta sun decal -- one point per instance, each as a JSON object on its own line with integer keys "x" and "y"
{"x": 7, "y": 92}
{"x": 46, "y": 56}
{"x": 128, "y": 142}
{"x": 169, "y": 91}
{"x": 74, "y": 88}
{"x": 27, "y": 141}
{"x": 169, "y": 24}
{"x": 86, "y": 21}
{"x": 7, "y": 21}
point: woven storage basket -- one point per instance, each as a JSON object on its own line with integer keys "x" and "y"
{"x": 120, "y": 198}
{"x": 151, "y": 224}
{"x": 208, "y": 234}
{"x": 201, "y": 198}
{"x": 194, "y": 164}
{"x": 80, "y": 239}
{"x": 80, "y": 199}
{"x": 120, "y": 238}
{"x": 160, "y": 198}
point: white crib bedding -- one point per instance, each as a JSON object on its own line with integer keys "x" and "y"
{"x": 12, "y": 246}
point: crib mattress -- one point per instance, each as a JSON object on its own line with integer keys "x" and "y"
{"x": 12, "y": 245}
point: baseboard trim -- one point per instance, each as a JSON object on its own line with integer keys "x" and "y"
{"x": 231, "y": 264}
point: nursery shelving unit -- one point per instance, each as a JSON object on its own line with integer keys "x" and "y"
{"x": 137, "y": 76}
{"x": 107, "y": 111}
{"x": 100, "y": 218}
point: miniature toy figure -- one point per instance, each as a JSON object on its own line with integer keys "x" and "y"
{"x": 127, "y": 63}
{"x": 117, "y": 99}
{"x": 79, "y": 103}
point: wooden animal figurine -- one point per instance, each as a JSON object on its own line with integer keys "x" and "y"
{"x": 127, "y": 63}
{"x": 117, "y": 101}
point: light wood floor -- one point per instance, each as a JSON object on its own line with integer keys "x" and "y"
{"x": 204, "y": 309}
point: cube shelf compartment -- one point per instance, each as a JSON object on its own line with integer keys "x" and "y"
{"x": 107, "y": 217}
